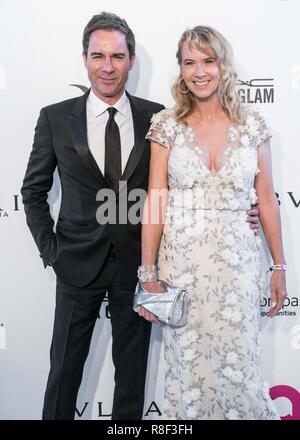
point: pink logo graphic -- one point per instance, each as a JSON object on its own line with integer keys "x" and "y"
{"x": 291, "y": 394}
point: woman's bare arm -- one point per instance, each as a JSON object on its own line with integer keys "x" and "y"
{"x": 269, "y": 216}
{"x": 154, "y": 215}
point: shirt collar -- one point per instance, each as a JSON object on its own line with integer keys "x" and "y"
{"x": 98, "y": 106}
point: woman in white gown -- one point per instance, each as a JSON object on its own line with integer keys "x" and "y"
{"x": 211, "y": 155}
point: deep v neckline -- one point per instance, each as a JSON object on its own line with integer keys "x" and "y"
{"x": 205, "y": 150}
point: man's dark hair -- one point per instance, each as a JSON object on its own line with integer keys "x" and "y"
{"x": 108, "y": 21}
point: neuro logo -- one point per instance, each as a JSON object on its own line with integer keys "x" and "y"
{"x": 289, "y": 393}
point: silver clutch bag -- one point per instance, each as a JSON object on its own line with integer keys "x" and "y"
{"x": 170, "y": 306}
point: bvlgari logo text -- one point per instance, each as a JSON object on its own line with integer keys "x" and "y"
{"x": 4, "y": 212}
{"x": 104, "y": 412}
{"x": 295, "y": 202}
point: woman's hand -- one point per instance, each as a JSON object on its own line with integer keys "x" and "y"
{"x": 152, "y": 287}
{"x": 278, "y": 291}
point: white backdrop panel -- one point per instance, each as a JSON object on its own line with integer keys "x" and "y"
{"x": 40, "y": 56}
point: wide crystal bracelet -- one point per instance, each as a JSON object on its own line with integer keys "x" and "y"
{"x": 147, "y": 273}
{"x": 278, "y": 267}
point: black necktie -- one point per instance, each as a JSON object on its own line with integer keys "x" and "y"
{"x": 112, "y": 167}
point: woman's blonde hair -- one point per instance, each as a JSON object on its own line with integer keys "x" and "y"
{"x": 206, "y": 38}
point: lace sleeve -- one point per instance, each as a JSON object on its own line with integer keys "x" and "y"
{"x": 264, "y": 132}
{"x": 162, "y": 128}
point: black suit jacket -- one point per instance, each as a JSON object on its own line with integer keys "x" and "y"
{"x": 80, "y": 245}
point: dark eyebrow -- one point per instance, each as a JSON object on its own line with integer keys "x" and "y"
{"x": 114, "y": 54}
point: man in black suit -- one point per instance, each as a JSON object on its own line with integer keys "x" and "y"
{"x": 95, "y": 141}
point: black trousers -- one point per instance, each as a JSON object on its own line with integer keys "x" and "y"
{"x": 75, "y": 316}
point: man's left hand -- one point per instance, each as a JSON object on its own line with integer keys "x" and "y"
{"x": 253, "y": 219}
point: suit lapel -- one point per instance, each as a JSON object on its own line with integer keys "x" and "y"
{"x": 141, "y": 124}
{"x": 78, "y": 124}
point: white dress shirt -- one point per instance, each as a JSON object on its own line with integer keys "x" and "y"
{"x": 97, "y": 117}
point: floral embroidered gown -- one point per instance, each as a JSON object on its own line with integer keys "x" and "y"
{"x": 213, "y": 362}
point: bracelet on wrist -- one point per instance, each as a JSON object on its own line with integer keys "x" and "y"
{"x": 278, "y": 267}
{"x": 147, "y": 273}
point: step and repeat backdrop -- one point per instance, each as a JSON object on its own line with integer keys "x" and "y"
{"x": 41, "y": 63}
